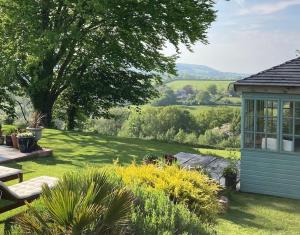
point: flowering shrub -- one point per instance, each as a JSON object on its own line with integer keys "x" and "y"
{"x": 190, "y": 188}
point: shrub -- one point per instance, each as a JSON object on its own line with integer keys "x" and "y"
{"x": 154, "y": 122}
{"x": 180, "y": 136}
{"x": 211, "y": 137}
{"x": 191, "y": 188}
{"x": 191, "y": 138}
{"x": 81, "y": 203}
{"x": 156, "y": 214}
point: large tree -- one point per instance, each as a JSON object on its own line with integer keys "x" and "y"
{"x": 46, "y": 45}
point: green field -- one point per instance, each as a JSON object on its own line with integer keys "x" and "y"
{"x": 248, "y": 214}
{"x": 198, "y": 84}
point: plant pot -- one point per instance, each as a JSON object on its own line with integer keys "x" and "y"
{"x": 37, "y": 132}
{"x": 2, "y": 138}
{"x": 14, "y": 141}
{"x": 230, "y": 180}
{"x": 26, "y": 144}
{"x": 8, "y": 141}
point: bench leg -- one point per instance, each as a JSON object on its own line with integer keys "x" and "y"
{"x": 20, "y": 177}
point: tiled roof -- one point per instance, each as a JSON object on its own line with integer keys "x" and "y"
{"x": 287, "y": 75}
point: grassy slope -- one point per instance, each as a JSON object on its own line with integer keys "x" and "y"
{"x": 248, "y": 214}
{"x": 199, "y": 85}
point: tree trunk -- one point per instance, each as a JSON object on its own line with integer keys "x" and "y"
{"x": 44, "y": 105}
{"x": 71, "y": 114}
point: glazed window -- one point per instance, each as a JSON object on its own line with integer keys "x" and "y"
{"x": 290, "y": 126}
{"x": 260, "y": 125}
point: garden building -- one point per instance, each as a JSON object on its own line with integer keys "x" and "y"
{"x": 270, "y": 140}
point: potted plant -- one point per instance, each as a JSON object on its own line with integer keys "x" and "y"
{"x": 26, "y": 142}
{"x": 14, "y": 140}
{"x": 8, "y": 138}
{"x": 35, "y": 125}
{"x": 1, "y": 136}
{"x": 230, "y": 174}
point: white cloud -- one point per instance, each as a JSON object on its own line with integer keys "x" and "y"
{"x": 269, "y": 8}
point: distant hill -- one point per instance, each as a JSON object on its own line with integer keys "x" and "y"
{"x": 202, "y": 72}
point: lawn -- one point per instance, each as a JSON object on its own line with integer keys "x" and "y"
{"x": 248, "y": 213}
{"x": 198, "y": 84}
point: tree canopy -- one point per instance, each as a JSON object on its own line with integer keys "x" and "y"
{"x": 113, "y": 47}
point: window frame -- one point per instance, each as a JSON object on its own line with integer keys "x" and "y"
{"x": 293, "y": 135}
{"x": 265, "y": 116}
{"x": 280, "y": 98}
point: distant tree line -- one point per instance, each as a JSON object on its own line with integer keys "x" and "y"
{"x": 191, "y": 96}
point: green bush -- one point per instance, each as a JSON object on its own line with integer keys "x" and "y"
{"x": 154, "y": 213}
{"x": 81, "y": 203}
{"x": 191, "y": 188}
{"x": 211, "y": 137}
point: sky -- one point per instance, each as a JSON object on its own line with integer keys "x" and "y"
{"x": 249, "y": 36}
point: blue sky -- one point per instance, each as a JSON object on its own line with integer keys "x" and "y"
{"x": 249, "y": 36}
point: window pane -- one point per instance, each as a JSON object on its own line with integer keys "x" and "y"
{"x": 260, "y": 141}
{"x": 272, "y": 142}
{"x": 287, "y": 126}
{"x": 249, "y": 107}
{"x": 297, "y": 145}
{"x": 271, "y": 125}
{"x": 297, "y": 109}
{"x": 287, "y": 143}
{"x": 249, "y": 123}
{"x": 272, "y": 108}
{"x": 260, "y": 108}
{"x": 260, "y": 124}
{"x": 288, "y": 109}
{"x": 249, "y": 140}
{"x": 297, "y": 127}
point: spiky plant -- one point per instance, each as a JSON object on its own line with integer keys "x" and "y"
{"x": 36, "y": 120}
{"x": 80, "y": 204}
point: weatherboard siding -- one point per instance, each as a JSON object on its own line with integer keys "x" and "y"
{"x": 270, "y": 173}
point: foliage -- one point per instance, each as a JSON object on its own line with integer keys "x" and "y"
{"x": 191, "y": 188}
{"x": 10, "y": 131}
{"x": 7, "y": 103}
{"x": 231, "y": 169}
{"x": 110, "y": 126}
{"x": 167, "y": 97}
{"x": 25, "y": 135}
{"x": 216, "y": 117}
{"x": 211, "y": 137}
{"x": 153, "y": 122}
{"x": 180, "y": 136}
{"x": 49, "y": 47}
{"x": 191, "y": 138}
{"x": 173, "y": 124}
{"x": 156, "y": 214}
{"x": 36, "y": 120}
{"x": 81, "y": 203}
